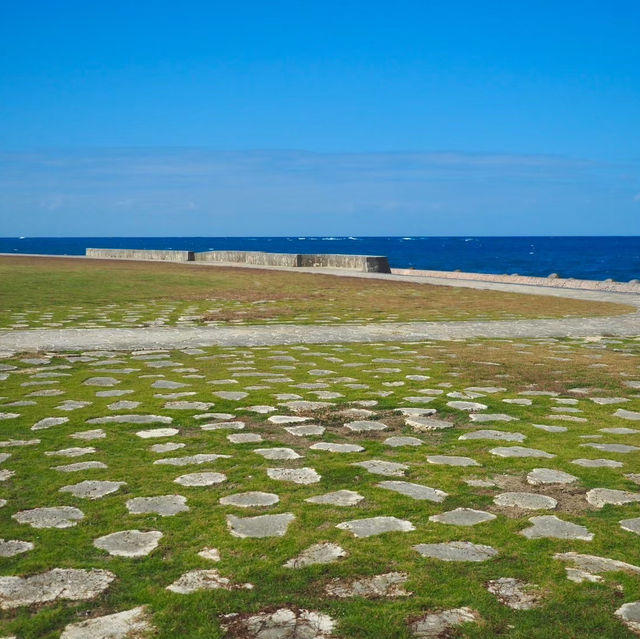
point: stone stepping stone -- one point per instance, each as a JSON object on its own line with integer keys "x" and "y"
{"x": 283, "y": 623}
{"x": 184, "y": 405}
{"x": 52, "y": 392}
{"x": 551, "y": 429}
{"x": 305, "y": 430}
{"x": 301, "y": 406}
{"x": 467, "y": 406}
{"x": 19, "y": 442}
{"x": 540, "y": 476}
{"x": 519, "y": 451}
{"x": 376, "y": 526}
{"x": 212, "y": 554}
{"x": 113, "y": 393}
{"x": 78, "y": 466}
{"x": 627, "y": 414}
{"x": 71, "y": 452}
{"x": 244, "y": 438}
{"x": 287, "y": 419}
{"x": 131, "y": 419}
{"x": 123, "y": 405}
{"x": 463, "y": 517}
{"x": 129, "y": 543}
{"x": 632, "y": 525}
{"x": 389, "y": 585}
{"x": 101, "y": 381}
{"x": 364, "y": 426}
{"x": 260, "y": 526}
{"x": 13, "y": 547}
{"x": 88, "y": 435}
{"x": 356, "y": 413}
{"x": 549, "y": 526}
{"x": 439, "y": 624}
{"x": 166, "y": 448}
{"x": 629, "y": 614}
{"x": 60, "y": 583}
{"x": 251, "y": 499}
{"x": 277, "y": 453}
{"x": 295, "y": 475}
{"x": 515, "y": 593}
{"x": 189, "y": 460}
{"x": 157, "y": 432}
{"x": 619, "y": 431}
{"x": 337, "y": 448}
{"x": 415, "y": 491}
{"x": 337, "y": 498}
{"x": 164, "y": 505}
{"x": 456, "y": 551}
{"x": 479, "y": 483}
{"x": 92, "y": 489}
{"x": 452, "y": 460}
{"x": 603, "y": 401}
{"x": 120, "y": 625}
{"x": 48, "y": 422}
{"x": 600, "y": 497}
{"x": 498, "y": 435}
{"x": 399, "y": 442}
{"x": 613, "y": 448}
{"x": 167, "y": 384}
{"x": 200, "y": 479}
{"x": 491, "y": 417}
{"x": 597, "y": 463}
{"x": 518, "y": 402}
{"x": 234, "y": 396}
{"x": 70, "y": 405}
{"x": 526, "y": 501}
{"x": 50, "y": 517}
{"x": 380, "y": 467}
{"x": 587, "y": 566}
{"x": 322, "y": 553}
{"x": 422, "y": 424}
{"x": 634, "y": 477}
{"x": 419, "y": 399}
{"x": 197, "y": 580}
{"x": 223, "y": 426}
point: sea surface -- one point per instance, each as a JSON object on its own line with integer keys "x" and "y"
{"x": 594, "y": 258}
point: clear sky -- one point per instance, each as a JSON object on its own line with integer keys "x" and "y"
{"x": 276, "y": 117}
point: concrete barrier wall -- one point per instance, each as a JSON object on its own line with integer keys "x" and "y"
{"x": 249, "y": 257}
{"x": 363, "y": 263}
{"x": 141, "y": 254}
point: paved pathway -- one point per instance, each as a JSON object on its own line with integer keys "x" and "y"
{"x": 182, "y": 337}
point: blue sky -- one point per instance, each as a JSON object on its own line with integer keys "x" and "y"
{"x": 295, "y": 118}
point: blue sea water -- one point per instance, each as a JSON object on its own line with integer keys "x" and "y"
{"x": 594, "y": 258}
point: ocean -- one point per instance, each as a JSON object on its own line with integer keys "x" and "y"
{"x": 593, "y": 258}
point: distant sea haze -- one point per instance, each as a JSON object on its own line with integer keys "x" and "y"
{"x": 593, "y": 258}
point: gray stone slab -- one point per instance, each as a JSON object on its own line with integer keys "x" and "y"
{"x": 438, "y": 625}
{"x": 421, "y": 423}
{"x": 71, "y": 452}
{"x": 164, "y": 505}
{"x": 375, "y": 526}
{"x": 101, "y": 381}
{"x": 277, "y": 453}
{"x": 463, "y": 517}
{"x": 597, "y": 463}
{"x": 283, "y": 623}
{"x": 600, "y": 497}
{"x": 456, "y": 551}
{"x": 467, "y": 406}
{"x": 632, "y": 525}
{"x": 399, "y": 442}
{"x": 189, "y": 460}
{"x": 389, "y": 585}
{"x": 131, "y": 419}
{"x": 550, "y": 526}
{"x": 197, "y": 580}
{"x": 166, "y": 448}
{"x": 295, "y": 475}
{"x": 363, "y": 426}
{"x": 200, "y": 479}
{"x": 92, "y": 489}
{"x": 305, "y": 430}
{"x": 13, "y": 547}
{"x": 261, "y": 526}
{"x": 50, "y": 517}
{"x": 321, "y": 553}
{"x": 96, "y": 433}
{"x": 60, "y": 583}
{"x": 629, "y": 614}
{"x": 79, "y": 466}
{"x": 515, "y": 593}
{"x": 337, "y": 498}
{"x": 627, "y": 414}
{"x": 252, "y": 499}
{"x": 541, "y": 476}
{"x": 337, "y": 448}
{"x": 129, "y": 543}
{"x": 481, "y": 418}
{"x": 497, "y": 435}
{"x": 380, "y": 467}
{"x": 452, "y": 460}
{"x": 519, "y": 451}
{"x": 526, "y": 501}
{"x": 415, "y": 491}
{"x": 49, "y": 422}
{"x": 613, "y": 448}
{"x": 127, "y": 624}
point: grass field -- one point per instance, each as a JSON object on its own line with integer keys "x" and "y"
{"x": 48, "y": 292}
{"x": 381, "y": 378}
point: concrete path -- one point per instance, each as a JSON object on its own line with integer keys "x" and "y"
{"x": 183, "y": 337}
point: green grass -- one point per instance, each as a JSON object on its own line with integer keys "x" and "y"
{"x": 570, "y": 610}
{"x": 54, "y": 292}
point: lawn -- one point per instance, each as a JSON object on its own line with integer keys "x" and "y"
{"x": 54, "y": 293}
{"x": 384, "y": 379}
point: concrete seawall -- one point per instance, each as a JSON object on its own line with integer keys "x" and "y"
{"x": 141, "y": 254}
{"x": 362, "y": 263}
